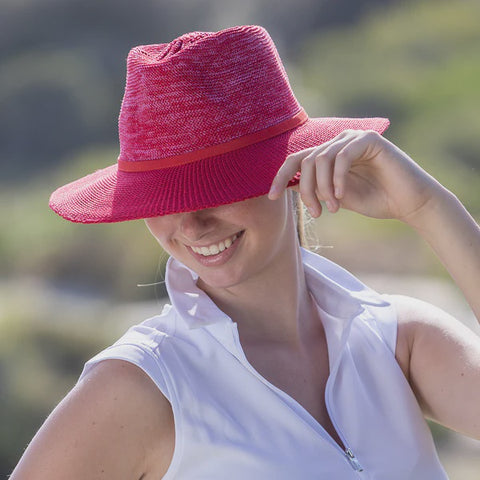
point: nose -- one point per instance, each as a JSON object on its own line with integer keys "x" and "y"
{"x": 195, "y": 225}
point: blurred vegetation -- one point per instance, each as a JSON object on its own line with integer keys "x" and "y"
{"x": 99, "y": 260}
{"x": 417, "y": 64}
{"x": 61, "y": 83}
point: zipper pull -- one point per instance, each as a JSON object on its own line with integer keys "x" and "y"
{"x": 353, "y": 460}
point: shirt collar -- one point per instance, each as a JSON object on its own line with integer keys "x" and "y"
{"x": 340, "y": 298}
{"x": 193, "y": 305}
{"x": 336, "y": 292}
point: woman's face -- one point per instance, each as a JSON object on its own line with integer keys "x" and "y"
{"x": 229, "y": 244}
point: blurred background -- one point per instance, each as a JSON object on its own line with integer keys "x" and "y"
{"x": 67, "y": 291}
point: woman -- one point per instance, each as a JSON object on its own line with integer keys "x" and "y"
{"x": 271, "y": 362}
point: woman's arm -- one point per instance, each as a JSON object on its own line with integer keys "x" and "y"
{"x": 453, "y": 234}
{"x": 365, "y": 173}
{"x": 114, "y": 424}
{"x": 440, "y": 358}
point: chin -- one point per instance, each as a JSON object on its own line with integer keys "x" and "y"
{"x": 225, "y": 279}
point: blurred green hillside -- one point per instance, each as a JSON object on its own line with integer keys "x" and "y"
{"x": 61, "y": 81}
{"x": 418, "y": 64}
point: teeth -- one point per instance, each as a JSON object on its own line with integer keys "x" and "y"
{"x": 214, "y": 249}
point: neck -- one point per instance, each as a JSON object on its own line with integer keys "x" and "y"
{"x": 274, "y": 306}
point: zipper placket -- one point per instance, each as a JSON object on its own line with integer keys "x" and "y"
{"x": 347, "y": 453}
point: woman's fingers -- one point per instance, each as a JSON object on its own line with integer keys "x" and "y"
{"x": 325, "y": 170}
{"x": 358, "y": 147}
{"x": 286, "y": 172}
{"x": 361, "y": 171}
{"x": 317, "y": 167}
{"x": 292, "y": 165}
{"x": 326, "y": 158}
{"x": 308, "y": 185}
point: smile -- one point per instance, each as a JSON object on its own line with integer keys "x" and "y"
{"x": 215, "y": 248}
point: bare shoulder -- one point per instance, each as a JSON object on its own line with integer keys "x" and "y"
{"x": 440, "y": 357}
{"x": 417, "y": 317}
{"x": 421, "y": 322}
{"x": 115, "y": 423}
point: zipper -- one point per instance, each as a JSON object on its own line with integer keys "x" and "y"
{"x": 353, "y": 460}
{"x": 349, "y": 455}
{"x": 347, "y": 452}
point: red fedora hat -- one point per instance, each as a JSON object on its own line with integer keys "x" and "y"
{"x": 206, "y": 120}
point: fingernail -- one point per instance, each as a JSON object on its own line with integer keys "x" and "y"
{"x": 273, "y": 191}
{"x": 329, "y": 205}
{"x": 338, "y": 192}
{"x": 313, "y": 211}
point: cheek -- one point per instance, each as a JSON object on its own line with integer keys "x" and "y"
{"x": 272, "y": 217}
{"x": 162, "y": 230}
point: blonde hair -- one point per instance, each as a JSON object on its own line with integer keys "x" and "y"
{"x": 300, "y": 217}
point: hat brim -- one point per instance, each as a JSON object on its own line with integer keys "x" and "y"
{"x": 110, "y": 195}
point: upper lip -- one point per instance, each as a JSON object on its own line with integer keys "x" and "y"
{"x": 215, "y": 242}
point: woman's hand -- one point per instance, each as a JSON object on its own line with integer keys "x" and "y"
{"x": 360, "y": 171}
{"x": 365, "y": 173}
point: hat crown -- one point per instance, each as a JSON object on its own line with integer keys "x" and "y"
{"x": 206, "y": 120}
{"x": 200, "y": 90}
{"x": 182, "y": 42}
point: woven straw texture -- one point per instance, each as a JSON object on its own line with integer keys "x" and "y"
{"x": 201, "y": 90}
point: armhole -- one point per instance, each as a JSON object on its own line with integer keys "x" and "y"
{"x": 135, "y": 355}
{"x": 387, "y": 322}
{"x": 146, "y": 360}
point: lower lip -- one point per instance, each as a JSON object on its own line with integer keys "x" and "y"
{"x": 221, "y": 257}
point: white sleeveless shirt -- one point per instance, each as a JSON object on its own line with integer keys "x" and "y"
{"x": 230, "y": 422}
